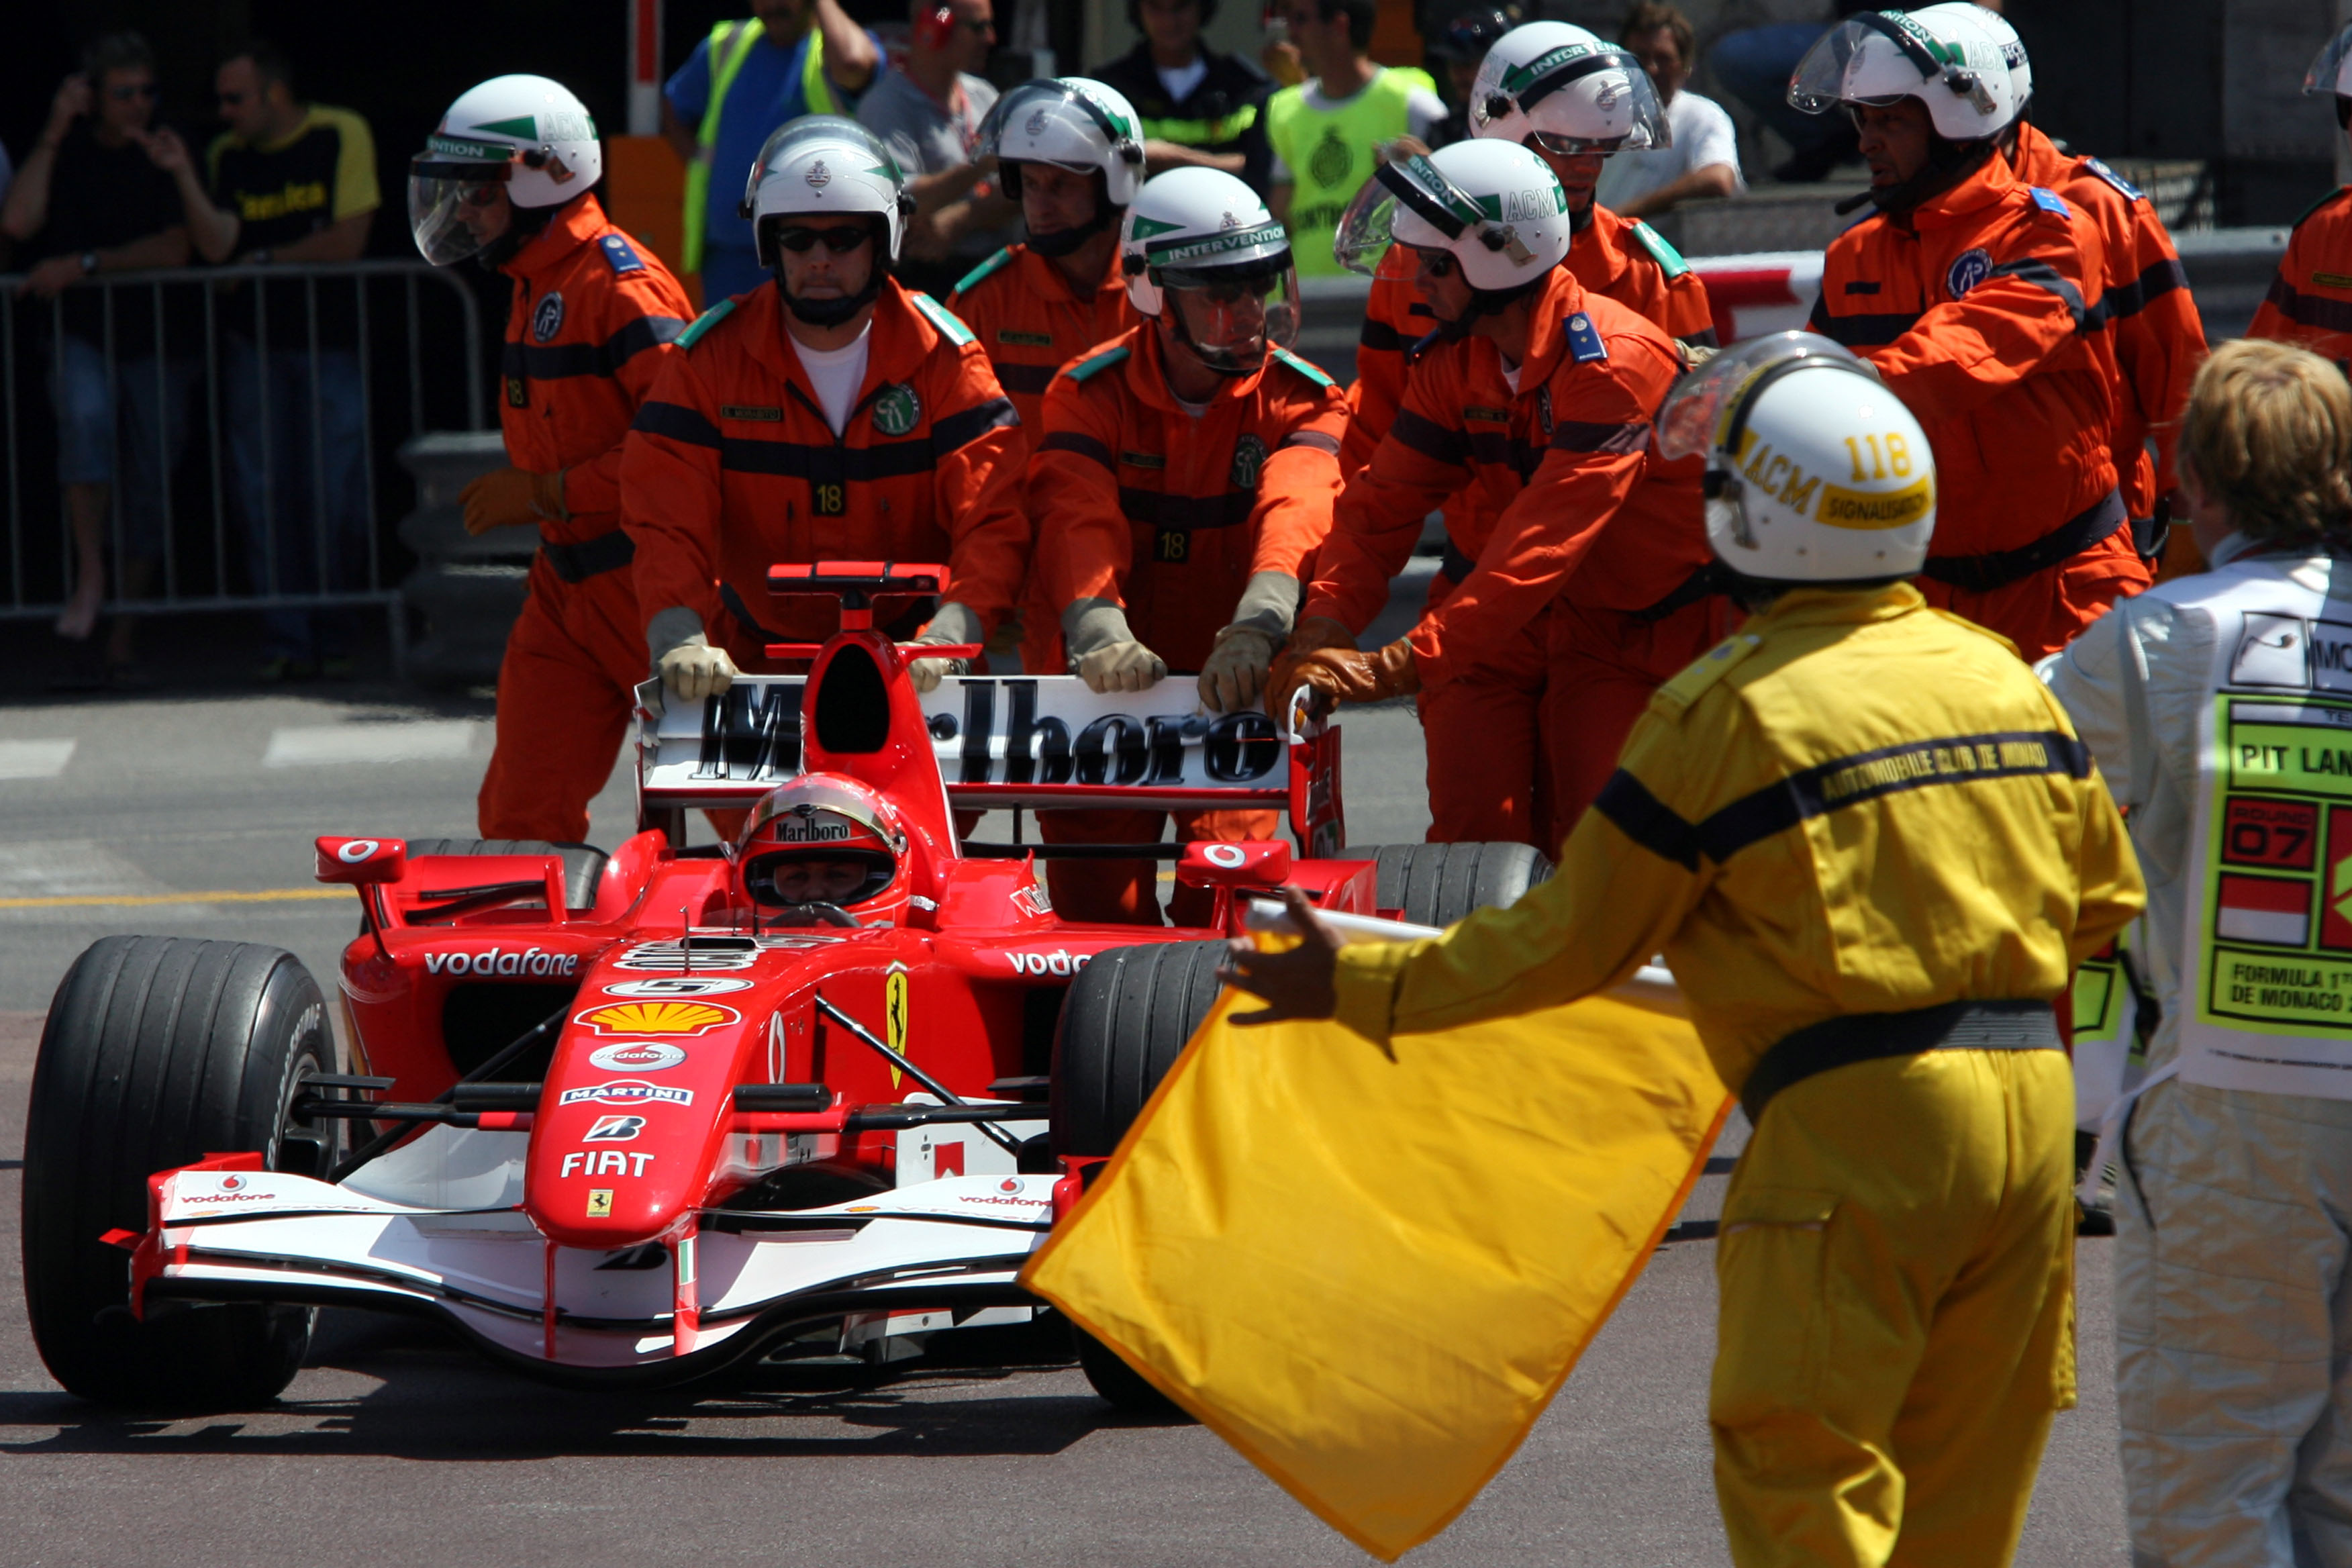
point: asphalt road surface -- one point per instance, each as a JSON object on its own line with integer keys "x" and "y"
{"x": 195, "y": 814}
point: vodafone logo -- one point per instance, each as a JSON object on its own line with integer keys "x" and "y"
{"x": 231, "y": 1183}
{"x": 357, "y": 850}
{"x": 1228, "y": 856}
{"x": 636, "y": 1056}
{"x": 1009, "y": 1185}
{"x": 1058, "y": 961}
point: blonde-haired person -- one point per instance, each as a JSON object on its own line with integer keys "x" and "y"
{"x": 2219, "y": 707}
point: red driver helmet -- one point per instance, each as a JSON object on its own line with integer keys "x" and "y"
{"x": 821, "y": 841}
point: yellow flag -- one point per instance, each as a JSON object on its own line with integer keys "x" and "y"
{"x": 1371, "y": 1270}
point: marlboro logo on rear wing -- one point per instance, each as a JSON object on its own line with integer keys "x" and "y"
{"x": 1014, "y": 741}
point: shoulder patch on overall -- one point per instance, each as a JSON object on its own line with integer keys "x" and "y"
{"x": 2131, "y": 192}
{"x": 1670, "y": 260}
{"x": 950, "y": 324}
{"x": 618, "y": 255}
{"x": 1584, "y": 344}
{"x": 2312, "y": 210}
{"x": 1677, "y": 695}
{"x": 2048, "y": 200}
{"x": 1301, "y": 366}
{"x": 1101, "y": 362}
{"x": 985, "y": 270}
{"x": 704, "y": 322}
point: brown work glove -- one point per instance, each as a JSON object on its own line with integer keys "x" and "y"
{"x": 503, "y": 498}
{"x": 1312, "y": 632}
{"x": 1344, "y": 675}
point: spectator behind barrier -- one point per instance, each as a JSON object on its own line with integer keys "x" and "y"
{"x": 89, "y": 202}
{"x": 1326, "y": 131}
{"x": 1703, "y": 158}
{"x": 1200, "y": 108}
{"x": 287, "y": 183}
{"x": 791, "y": 57}
{"x": 929, "y": 113}
{"x": 1754, "y": 64}
{"x": 1461, "y": 44}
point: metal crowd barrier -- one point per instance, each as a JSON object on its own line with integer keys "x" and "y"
{"x": 420, "y": 366}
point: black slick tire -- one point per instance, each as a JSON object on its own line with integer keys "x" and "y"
{"x": 157, "y": 1051}
{"x": 1437, "y": 884}
{"x": 1124, "y": 1023}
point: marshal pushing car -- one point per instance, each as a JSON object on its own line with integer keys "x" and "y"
{"x": 632, "y": 1116}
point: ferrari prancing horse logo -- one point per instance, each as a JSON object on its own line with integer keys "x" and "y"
{"x": 894, "y": 1015}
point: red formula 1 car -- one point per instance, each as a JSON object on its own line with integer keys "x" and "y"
{"x": 821, "y": 1088}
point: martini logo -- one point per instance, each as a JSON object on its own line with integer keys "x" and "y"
{"x": 627, "y": 1091}
{"x": 548, "y": 320}
{"x": 897, "y": 409}
{"x": 657, "y": 1018}
{"x": 1970, "y": 268}
{"x": 637, "y": 1055}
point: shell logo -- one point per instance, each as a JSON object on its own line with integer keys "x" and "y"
{"x": 658, "y": 1018}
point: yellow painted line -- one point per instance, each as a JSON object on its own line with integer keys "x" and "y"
{"x": 267, "y": 896}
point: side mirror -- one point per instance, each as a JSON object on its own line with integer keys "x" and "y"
{"x": 1253, "y": 865}
{"x": 360, "y": 862}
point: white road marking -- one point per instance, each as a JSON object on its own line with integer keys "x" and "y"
{"x": 34, "y": 759}
{"x": 59, "y": 867}
{"x": 418, "y": 741}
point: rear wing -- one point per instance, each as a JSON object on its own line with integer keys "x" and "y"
{"x": 1038, "y": 741}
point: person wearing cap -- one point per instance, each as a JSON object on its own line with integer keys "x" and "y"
{"x": 2310, "y": 299}
{"x": 1871, "y": 848}
{"x": 1980, "y": 297}
{"x": 1461, "y": 48}
{"x": 1537, "y": 397}
{"x": 833, "y": 416}
{"x": 1186, "y": 472}
{"x": 508, "y": 179}
{"x": 2152, "y": 317}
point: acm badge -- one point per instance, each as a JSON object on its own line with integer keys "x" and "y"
{"x": 897, "y": 409}
{"x": 1249, "y": 462}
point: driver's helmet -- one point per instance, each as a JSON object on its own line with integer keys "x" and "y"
{"x": 820, "y": 841}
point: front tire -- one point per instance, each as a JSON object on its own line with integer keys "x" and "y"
{"x": 159, "y": 1050}
{"x": 1437, "y": 884}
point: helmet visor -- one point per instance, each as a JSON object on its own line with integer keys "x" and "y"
{"x": 1411, "y": 185}
{"x": 1233, "y": 316}
{"x": 1597, "y": 102}
{"x": 1825, "y": 78}
{"x": 2327, "y": 73}
{"x": 1700, "y": 411}
{"x": 456, "y": 208}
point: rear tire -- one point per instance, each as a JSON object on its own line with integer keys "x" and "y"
{"x": 1437, "y": 884}
{"x": 583, "y": 864}
{"x": 1125, "y": 1390}
{"x": 1124, "y": 1023}
{"x": 159, "y": 1050}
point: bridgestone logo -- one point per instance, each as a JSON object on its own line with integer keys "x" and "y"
{"x": 1953, "y": 761}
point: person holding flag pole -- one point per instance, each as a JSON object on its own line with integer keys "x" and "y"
{"x": 1871, "y": 849}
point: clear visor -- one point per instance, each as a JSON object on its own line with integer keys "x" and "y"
{"x": 1366, "y": 229}
{"x": 1692, "y": 422}
{"x": 1607, "y": 104}
{"x": 1406, "y": 182}
{"x": 1826, "y": 77}
{"x": 2327, "y": 73}
{"x": 810, "y": 133}
{"x": 455, "y": 209}
{"x": 1232, "y": 320}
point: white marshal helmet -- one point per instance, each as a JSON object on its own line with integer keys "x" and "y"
{"x": 2331, "y": 67}
{"x": 819, "y": 167}
{"x": 1943, "y": 58}
{"x": 1072, "y": 121}
{"x": 1994, "y": 26}
{"x": 1204, "y": 229}
{"x": 1815, "y": 471}
{"x": 1495, "y": 205}
{"x": 525, "y": 133}
{"x": 1563, "y": 84}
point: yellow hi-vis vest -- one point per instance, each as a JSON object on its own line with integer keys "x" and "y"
{"x": 1329, "y": 155}
{"x": 729, "y": 43}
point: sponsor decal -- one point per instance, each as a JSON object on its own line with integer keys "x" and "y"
{"x": 600, "y": 1202}
{"x": 818, "y": 827}
{"x": 231, "y": 1183}
{"x": 636, "y": 1056}
{"x": 357, "y": 850}
{"x": 947, "y": 1160}
{"x": 503, "y": 964}
{"x": 1968, "y": 269}
{"x": 229, "y": 1197}
{"x": 1230, "y": 856}
{"x": 678, "y": 985}
{"x": 606, "y": 1162}
{"x": 1057, "y": 962}
{"x": 1034, "y": 899}
{"x": 614, "y": 1129}
{"x": 627, "y": 1091}
{"x": 897, "y": 409}
{"x": 1008, "y": 1185}
{"x": 548, "y": 319}
{"x": 657, "y": 1018}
